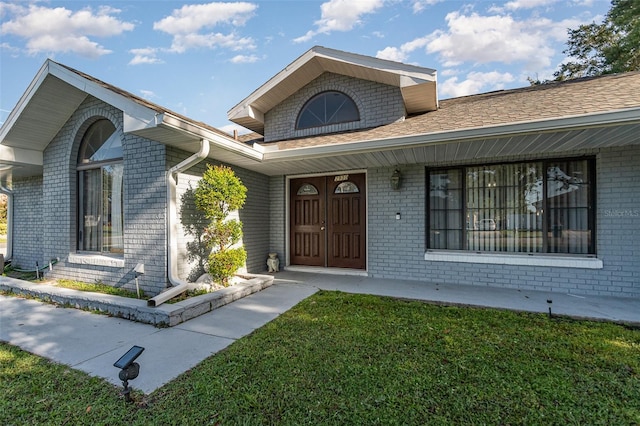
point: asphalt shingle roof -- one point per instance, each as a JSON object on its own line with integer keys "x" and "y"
{"x": 534, "y": 103}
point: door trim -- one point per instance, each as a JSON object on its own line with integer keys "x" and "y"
{"x": 287, "y": 208}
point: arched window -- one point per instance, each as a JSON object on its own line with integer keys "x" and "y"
{"x": 327, "y": 108}
{"x": 100, "y": 191}
{"x": 347, "y": 188}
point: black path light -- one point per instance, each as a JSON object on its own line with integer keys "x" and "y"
{"x": 129, "y": 369}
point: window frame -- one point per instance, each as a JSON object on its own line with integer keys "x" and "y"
{"x": 81, "y": 168}
{"x": 546, "y": 228}
{"x": 315, "y": 98}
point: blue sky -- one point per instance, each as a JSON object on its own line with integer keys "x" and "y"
{"x": 201, "y": 58}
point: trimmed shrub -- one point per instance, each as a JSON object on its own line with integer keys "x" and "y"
{"x": 219, "y": 193}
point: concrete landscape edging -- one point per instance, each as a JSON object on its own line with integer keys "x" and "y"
{"x": 165, "y": 315}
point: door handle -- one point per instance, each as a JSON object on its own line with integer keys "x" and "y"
{"x": 322, "y": 228}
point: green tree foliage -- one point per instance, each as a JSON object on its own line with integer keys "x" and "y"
{"x": 219, "y": 193}
{"x": 606, "y": 48}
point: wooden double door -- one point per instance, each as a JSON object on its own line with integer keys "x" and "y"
{"x": 328, "y": 221}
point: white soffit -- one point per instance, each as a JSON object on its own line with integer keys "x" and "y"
{"x": 418, "y": 84}
{"x": 41, "y": 112}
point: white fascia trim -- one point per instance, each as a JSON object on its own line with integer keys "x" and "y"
{"x": 216, "y": 139}
{"x": 24, "y": 99}
{"x": 610, "y": 118}
{"x": 415, "y": 74}
{"x": 392, "y": 67}
{"x": 518, "y": 260}
{"x": 20, "y": 156}
{"x": 136, "y": 116}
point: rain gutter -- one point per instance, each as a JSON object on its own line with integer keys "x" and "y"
{"x": 178, "y": 285}
{"x": 600, "y": 119}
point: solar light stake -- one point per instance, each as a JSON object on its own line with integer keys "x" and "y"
{"x": 549, "y": 301}
{"x": 129, "y": 369}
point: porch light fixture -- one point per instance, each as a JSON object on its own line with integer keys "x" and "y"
{"x": 396, "y": 177}
{"x": 129, "y": 369}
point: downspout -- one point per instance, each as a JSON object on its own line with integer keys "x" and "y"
{"x": 9, "y": 194}
{"x": 178, "y": 285}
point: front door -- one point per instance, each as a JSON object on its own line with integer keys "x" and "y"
{"x": 328, "y": 226}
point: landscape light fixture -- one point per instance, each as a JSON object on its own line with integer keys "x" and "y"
{"x": 129, "y": 369}
{"x": 138, "y": 270}
{"x": 396, "y": 177}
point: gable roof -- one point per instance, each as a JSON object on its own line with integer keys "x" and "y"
{"x": 417, "y": 84}
{"x": 557, "y": 118}
{"x": 533, "y": 106}
{"x": 58, "y": 90}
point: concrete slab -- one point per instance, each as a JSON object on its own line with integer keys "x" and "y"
{"x": 92, "y": 342}
{"x": 68, "y": 336}
{"x": 243, "y": 316}
{"x": 168, "y": 353}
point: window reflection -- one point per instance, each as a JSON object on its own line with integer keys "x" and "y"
{"x": 533, "y": 207}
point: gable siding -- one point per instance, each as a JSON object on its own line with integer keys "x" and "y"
{"x": 378, "y": 104}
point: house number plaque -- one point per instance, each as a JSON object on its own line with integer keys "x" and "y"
{"x": 341, "y": 178}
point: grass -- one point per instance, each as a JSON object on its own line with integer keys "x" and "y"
{"x": 97, "y": 288}
{"x": 74, "y": 285}
{"x": 355, "y": 359}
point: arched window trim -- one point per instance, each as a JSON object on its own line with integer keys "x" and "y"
{"x": 307, "y": 189}
{"x": 115, "y": 135}
{"x": 347, "y": 187}
{"x": 100, "y": 203}
{"x": 331, "y": 120}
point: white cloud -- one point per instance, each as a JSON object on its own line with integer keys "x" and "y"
{"x": 475, "y": 82}
{"x": 244, "y": 59}
{"x": 527, "y": 4}
{"x": 401, "y": 54}
{"x": 420, "y": 5}
{"x": 230, "y": 128}
{"x": 340, "y": 15}
{"x": 148, "y": 94}
{"x": 449, "y": 71}
{"x": 480, "y": 39}
{"x": 497, "y": 38}
{"x": 188, "y": 26}
{"x": 392, "y": 54}
{"x": 183, "y": 42}
{"x": 59, "y": 29}
{"x": 147, "y": 55}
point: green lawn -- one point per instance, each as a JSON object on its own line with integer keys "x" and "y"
{"x": 351, "y": 359}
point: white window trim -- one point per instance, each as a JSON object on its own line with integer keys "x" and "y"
{"x": 96, "y": 260}
{"x": 513, "y": 259}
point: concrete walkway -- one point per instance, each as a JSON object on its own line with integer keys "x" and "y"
{"x": 92, "y": 343}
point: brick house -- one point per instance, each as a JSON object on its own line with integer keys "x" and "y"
{"x": 353, "y": 166}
